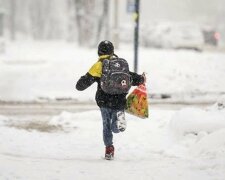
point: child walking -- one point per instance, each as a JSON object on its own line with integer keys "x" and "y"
{"x": 112, "y": 102}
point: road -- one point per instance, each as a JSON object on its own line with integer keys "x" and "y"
{"x": 42, "y": 108}
{"x": 56, "y": 107}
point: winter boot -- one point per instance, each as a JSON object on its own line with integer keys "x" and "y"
{"x": 109, "y": 152}
{"x": 121, "y": 121}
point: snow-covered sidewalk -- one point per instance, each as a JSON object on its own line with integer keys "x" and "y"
{"x": 187, "y": 144}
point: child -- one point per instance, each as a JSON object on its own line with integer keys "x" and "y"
{"x": 111, "y": 105}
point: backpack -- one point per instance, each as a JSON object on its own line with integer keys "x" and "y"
{"x": 115, "y": 78}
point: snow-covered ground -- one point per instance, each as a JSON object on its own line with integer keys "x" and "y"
{"x": 186, "y": 144}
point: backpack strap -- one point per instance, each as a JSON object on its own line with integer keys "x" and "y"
{"x": 114, "y": 55}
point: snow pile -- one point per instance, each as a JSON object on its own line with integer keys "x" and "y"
{"x": 202, "y": 132}
{"x": 220, "y": 104}
{"x": 64, "y": 120}
{"x": 78, "y": 121}
{"x": 3, "y": 120}
{"x": 210, "y": 145}
{"x": 193, "y": 120}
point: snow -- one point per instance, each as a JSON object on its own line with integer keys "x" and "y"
{"x": 193, "y": 120}
{"x": 155, "y": 148}
{"x": 49, "y": 70}
{"x": 203, "y": 130}
{"x": 184, "y": 144}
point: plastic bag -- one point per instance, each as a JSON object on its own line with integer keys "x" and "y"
{"x": 137, "y": 102}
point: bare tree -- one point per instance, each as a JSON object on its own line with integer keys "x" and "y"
{"x": 92, "y": 19}
{"x": 71, "y": 30}
{"x": 85, "y": 20}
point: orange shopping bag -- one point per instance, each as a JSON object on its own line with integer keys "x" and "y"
{"x": 137, "y": 102}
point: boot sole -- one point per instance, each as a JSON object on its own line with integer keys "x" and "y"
{"x": 110, "y": 157}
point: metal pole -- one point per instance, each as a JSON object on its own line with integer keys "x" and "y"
{"x": 136, "y": 34}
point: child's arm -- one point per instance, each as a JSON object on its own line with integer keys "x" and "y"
{"x": 92, "y": 76}
{"x": 85, "y": 81}
{"x": 137, "y": 79}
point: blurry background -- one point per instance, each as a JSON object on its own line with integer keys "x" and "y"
{"x": 45, "y": 46}
{"x": 88, "y": 21}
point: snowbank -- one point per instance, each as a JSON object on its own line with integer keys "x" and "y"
{"x": 210, "y": 145}
{"x": 201, "y": 131}
{"x": 193, "y": 120}
{"x": 3, "y": 120}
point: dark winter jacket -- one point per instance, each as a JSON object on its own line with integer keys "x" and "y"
{"x": 117, "y": 101}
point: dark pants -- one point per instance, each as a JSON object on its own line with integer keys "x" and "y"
{"x": 110, "y": 124}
